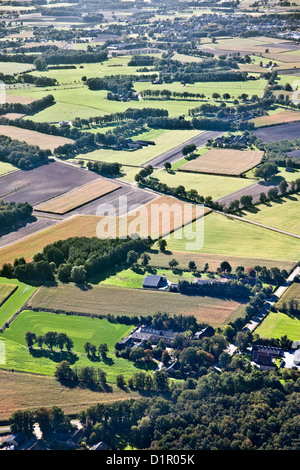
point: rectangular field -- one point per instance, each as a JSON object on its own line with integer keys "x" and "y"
{"x": 216, "y": 186}
{"x": 79, "y": 197}
{"x": 30, "y": 391}
{"x": 6, "y": 290}
{"x": 277, "y": 118}
{"x": 44, "y": 141}
{"x": 161, "y": 260}
{"x": 227, "y": 236}
{"x": 280, "y": 132}
{"x": 28, "y": 247}
{"x": 16, "y": 300}
{"x": 224, "y": 161}
{"x": 104, "y": 300}
{"x": 276, "y": 325}
{"x": 283, "y": 215}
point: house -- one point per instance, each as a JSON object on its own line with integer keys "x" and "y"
{"x": 99, "y": 446}
{"x": 144, "y": 334}
{"x": 297, "y": 357}
{"x": 154, "y": 282}
{"x": 14, "y": 440}
{"x": 263, "y": 355}
{"x": 207, "y": 332}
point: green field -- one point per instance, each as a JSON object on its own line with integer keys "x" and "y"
{"x": 206, "y": 185}
{"x": 283, "y": 215}
{"x": 6, "y": 168}
{"x": 79, "y": 329}
{"x": 134, "y": 279}
{"x": 227, "y": 236}
{"x": 276, "y": 325}
{"x": 165, "y": 141}
{"x": 16, "y": 300}
{"x": 6, "y": 290}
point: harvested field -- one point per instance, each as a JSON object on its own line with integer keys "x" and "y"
{"x": 31, "y": 391}
{"x": 161, "y": 260}
{"x": 44, "y": 141}
{"x": 277, "y": 118}
{"x": 6, "y": 290}
{"x": 161, "y": 217}
{"x": 104, "y": 300}
{"x": 18, "y": 99}
{"x": 281, "y": 131}
{"x": 79, "y": 197}
{"x": 224, "y": 161}
{"x": 28, "y": 247}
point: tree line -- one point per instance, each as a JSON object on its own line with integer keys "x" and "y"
{"x": 30, "y": 108}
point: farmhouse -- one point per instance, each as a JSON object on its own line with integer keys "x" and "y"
{"x": 150, "y": 334}
{"x": 263, "y": 355}
{"x": 154, "y": 282}
{"x": 206, "y": 332}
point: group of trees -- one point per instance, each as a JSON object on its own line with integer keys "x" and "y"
{"x": 229, "y": 289}
{"x": 51, "y": 339}
{"x": 215, "y": 411}
{"x": 75, "y": 259}
{"x": 103, "y": 168}
{"x": 20, "y": 154}
{"x": 87, "y": 375}
{"x": 12, "y": 213}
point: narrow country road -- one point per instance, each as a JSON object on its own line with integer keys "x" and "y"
{"x": 175, "y": 154}
{"x": 269, "y": 303}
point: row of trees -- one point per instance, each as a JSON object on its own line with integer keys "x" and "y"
{"x": 51, "y": 339}
{"x": 30, "y": 108}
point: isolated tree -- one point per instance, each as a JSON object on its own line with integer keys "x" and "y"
{"x": 192, "y": 266}
{"x": 167, "y": 166}
{"x": 162, "y": 244}
{"x": 173, "y": 263}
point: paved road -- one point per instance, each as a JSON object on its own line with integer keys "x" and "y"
{"x": 175, "y": 154}
{"x": 275, "y": 297}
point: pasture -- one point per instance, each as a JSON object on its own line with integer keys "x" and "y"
{"x": 19, "y": 294}
{"x": 78, "y": 197}
{"x": 283, "y": 214}
{"x": 6, "y": 290}
{"x": 224, "y": 161}
{"x": 293, "y": 293}
{"x": 79, "y": 329}
{"x": 6, "y": 168}
{"x": 103, "y": 300}
{"x": 44, "y": 141}
{"x": 216, "y": 186}
{"x": 276, "y": 325}
{"x": 227, "y": 236}
{"x": 164, "y": 141}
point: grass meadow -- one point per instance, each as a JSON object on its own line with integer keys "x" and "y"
{"x": 278, "y": 324}
{"x": 79, "y": 329}
{"x": 207, "y": 185}
{"x": 227, "y": 236}
{"x": 16, "y": 300}
{"x": 283, "y": 214}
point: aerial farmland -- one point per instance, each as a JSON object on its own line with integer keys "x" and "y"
{"x": 149, "y": 225}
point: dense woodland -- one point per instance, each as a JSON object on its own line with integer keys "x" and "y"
{"x": 20, "y": 154}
